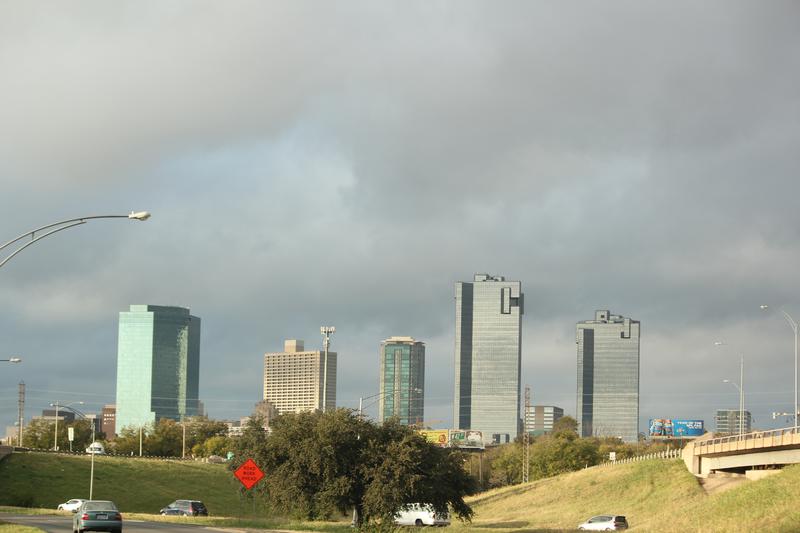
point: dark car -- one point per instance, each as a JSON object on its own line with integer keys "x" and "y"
{"x": 97, "y": 515}
{"x": 185, "y": 508}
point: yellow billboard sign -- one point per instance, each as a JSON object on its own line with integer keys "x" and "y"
{"x": 440, "y": 437}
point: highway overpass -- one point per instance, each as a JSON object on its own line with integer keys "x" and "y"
{"x": 747, "y": 453}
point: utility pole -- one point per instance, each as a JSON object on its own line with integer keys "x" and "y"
{"x": 326, "y": 331}
{"x": 20, "y": 412}
{"x": 526, "y": 437}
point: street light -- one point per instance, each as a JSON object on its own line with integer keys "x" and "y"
{"x": 12, "y": 360}
{"x": 326, "y": 332}
{"x": 792, "y": 324}
{"x": 60, "y": 226}
{"x": 739, "y": 386}
{"x": 55, "y": 431}
{"x": 741, "y": 401}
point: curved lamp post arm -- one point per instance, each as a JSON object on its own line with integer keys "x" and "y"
{"x": 790, "y": 320}
{"x": 60, "y": 226}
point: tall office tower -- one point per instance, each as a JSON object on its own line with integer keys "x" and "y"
{"x": 541, "y": 418}
{"x": 402, "y": 380}
{"x": 158, "y": 365}
{"x": 608, "y": 377}
{"x": 109, "y": 421}
{"x": 293, "y": 378}
{"x": 727, "y": 421}
{"x": 488, "y": 357}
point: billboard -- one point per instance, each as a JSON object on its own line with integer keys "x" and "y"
{"x": 436, "y": 436}
{"x": 673, "y": 428}
{"x": 466, "y": 438}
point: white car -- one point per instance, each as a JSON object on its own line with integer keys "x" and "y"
{"x": 421, "y": 514}
{"x": 96, "y": 448}
{"x": 71, "y": 505}
{"x": 605, "y": 522}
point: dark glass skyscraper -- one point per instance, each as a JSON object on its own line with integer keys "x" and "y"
{"x": 402, "y": 393}
{"x": 158, "y": 365}
{"x": 488, "y": 357}
{"x": 608, "y": 377}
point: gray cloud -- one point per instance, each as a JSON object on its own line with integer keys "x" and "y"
{"x": 347, "y": 163}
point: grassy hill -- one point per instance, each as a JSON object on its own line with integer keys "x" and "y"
{"x": 654, "y": 495}
{"x": 136, "y": 485}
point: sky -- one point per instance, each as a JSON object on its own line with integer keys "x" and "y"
{"x": 345, "y": 163}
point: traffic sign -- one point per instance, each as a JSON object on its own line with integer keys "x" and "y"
{"x": 249, "y": 474}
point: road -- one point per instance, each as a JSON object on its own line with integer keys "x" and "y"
{"x": 62, "y": 524}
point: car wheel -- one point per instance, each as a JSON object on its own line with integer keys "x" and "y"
{"x": 418, "y": 522}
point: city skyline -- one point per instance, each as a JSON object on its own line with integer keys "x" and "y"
{"x": 346, "y": 164}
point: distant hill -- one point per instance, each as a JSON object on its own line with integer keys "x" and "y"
{"x": 136, "y": 485}
{"x": 655, "y": 495}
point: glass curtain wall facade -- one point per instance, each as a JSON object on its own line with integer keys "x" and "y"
{"x": 488, "y": 357}
{"x": 608, "y": 377}
{"x": 158, "y": 365}
{"x": 402, "y": 380}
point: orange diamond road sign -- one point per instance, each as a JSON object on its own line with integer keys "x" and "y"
{"x": 249, "y": 474}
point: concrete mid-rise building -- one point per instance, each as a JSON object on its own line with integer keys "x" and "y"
{"x": 608, "y": 377}
{"x": 727, "y": 421}
{"x": 158, "y": 365}
{"x": 294, "y": 378}
{"x": 539, "y": 419}
{"x": 402, "y": 380}
{"x": 108, "y": 421}
{"x": 488, "y": 357}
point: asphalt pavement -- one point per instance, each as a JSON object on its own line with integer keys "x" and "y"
{"x": 62, "y": 524}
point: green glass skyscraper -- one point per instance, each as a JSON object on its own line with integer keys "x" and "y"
{"x": 402, "y": 393}
{"x": 158, "y": 365}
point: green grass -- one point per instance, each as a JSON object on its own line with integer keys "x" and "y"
{"x": 5, "y": 527}
{"x": 654, "y": 496}
{"x": 135, "y": 485}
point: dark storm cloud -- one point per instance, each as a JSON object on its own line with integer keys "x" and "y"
{"x": 311, "y": 164}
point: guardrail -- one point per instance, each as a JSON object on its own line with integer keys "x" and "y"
{"x": 747, "y": 441}
{"x": 123, "y": 455}
{"x": 674, "y": 453}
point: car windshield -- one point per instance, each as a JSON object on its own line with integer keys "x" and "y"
{"x": 99, "y": 506}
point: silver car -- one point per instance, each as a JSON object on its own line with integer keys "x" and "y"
{"x": 604, "y": 522}
{"x": 97, "y": 515}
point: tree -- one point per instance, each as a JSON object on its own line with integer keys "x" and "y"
{"x": 506, "y": 465}
{"x": 565, "y": 424}
{"x": 166, "y": 440}
{"x": 320, "y": 463}
{"x": 201, "y": 428}
{"x": 127, "y": 440}
{"x": 40, "y": 433}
